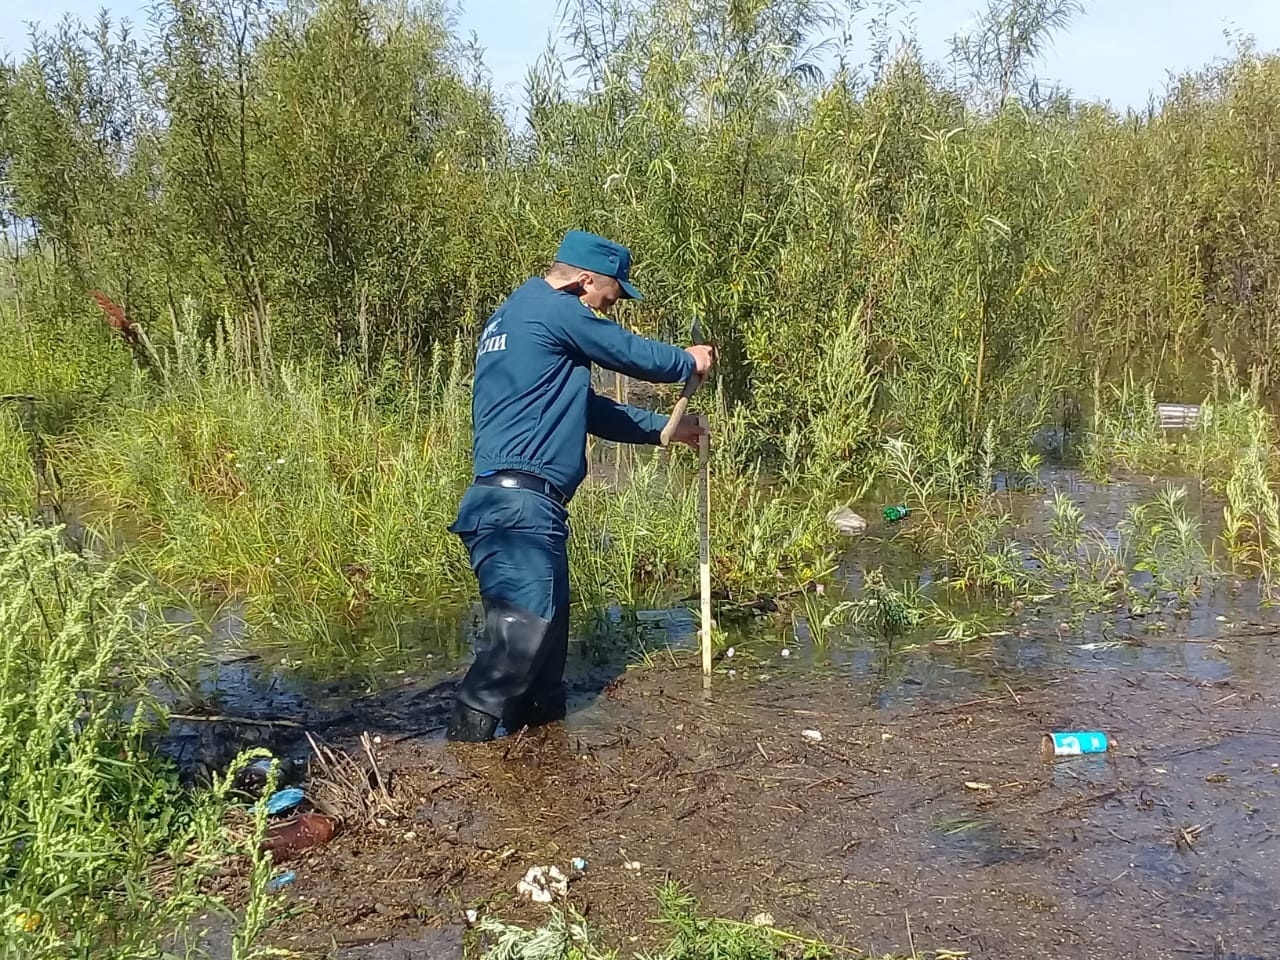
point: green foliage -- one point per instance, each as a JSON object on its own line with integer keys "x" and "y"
{"x": 302, "y": 204}
{"x": 103, "y": 852}
{"x": 1165, "y": 542}
{"x": 889, "y": 612}
{"x": 324, "y": 490}
{"x": 873, "y": 252}
{"x": 17, "y": 477}
{"x": 690, "y": 936}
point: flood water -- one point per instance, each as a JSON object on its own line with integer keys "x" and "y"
{"x": 924, "y": 818}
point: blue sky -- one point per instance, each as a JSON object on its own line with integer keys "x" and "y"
{"x": 1118, "y": 50}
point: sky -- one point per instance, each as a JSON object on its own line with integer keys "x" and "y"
{"x": 1119, "y": 51}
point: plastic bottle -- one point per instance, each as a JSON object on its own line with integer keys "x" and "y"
{"x": 897, "y": 512}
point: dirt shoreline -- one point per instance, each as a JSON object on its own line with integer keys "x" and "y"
{"x": 940, "y": 815}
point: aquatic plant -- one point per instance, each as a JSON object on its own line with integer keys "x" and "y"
{"x": 1164, "y": 541}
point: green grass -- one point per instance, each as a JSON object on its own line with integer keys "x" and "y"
{"x": 103, "y": 852}
{"x": 689, "y": 935}
{"x": 322, "y": 490}
{"x": 17, "y": 478}
{"x": 323, "y": 496}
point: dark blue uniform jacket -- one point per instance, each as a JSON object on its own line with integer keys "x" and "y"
{"x": 532, "y": 404}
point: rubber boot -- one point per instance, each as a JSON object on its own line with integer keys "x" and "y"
{"x": 470, "y": 726}
{"x": 507, "y": 662}
{"x": 545, "y": 701}
{"x": 550, "y": 706}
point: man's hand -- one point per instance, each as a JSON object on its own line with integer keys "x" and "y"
{"x": 690, "y": 428}
{"x": 704, "y": 357}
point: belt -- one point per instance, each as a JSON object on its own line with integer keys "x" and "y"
{"x": 513, "y": 479}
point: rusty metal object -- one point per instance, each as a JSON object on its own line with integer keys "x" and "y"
{"x": 299, "y": 833}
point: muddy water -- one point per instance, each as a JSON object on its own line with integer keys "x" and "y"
{"x": 924, "y": 818}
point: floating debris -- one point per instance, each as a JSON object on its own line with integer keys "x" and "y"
{"x": 543, "y": 884}
{"x": 1177, "y": 416}
{"x": 1074, "y": 743}
{"x": 1187, "y": 837}
{"x": 846, "y": 522}
{"x": 786, "y": 652}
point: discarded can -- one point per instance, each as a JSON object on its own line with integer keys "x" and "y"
{"x": 897, "y": 512}
{"x": 1074, "y": 743}
{"x": 283, "y": 800}
{"x": 282, "y": 881}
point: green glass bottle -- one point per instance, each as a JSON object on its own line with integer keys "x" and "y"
{"x": 895, "y": 513}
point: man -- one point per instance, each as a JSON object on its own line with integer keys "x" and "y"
{"x": 532, "y": 408}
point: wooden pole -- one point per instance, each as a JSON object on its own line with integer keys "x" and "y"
{"x": 704, "y": 551}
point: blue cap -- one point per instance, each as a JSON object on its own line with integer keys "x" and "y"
{"x": 587, "y": 251}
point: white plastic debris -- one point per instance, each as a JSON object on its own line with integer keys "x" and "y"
{"x": 846, "y": 522}
{"x": 472, "y": 916}
{"x": 729, "y": 653}
{"x": 543, "y": 884}
{"x": 762, "y": 920}
{"x": 814, "y": 735}
{"x": 786, "y": 652}
{"x": 632, "y": 865}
